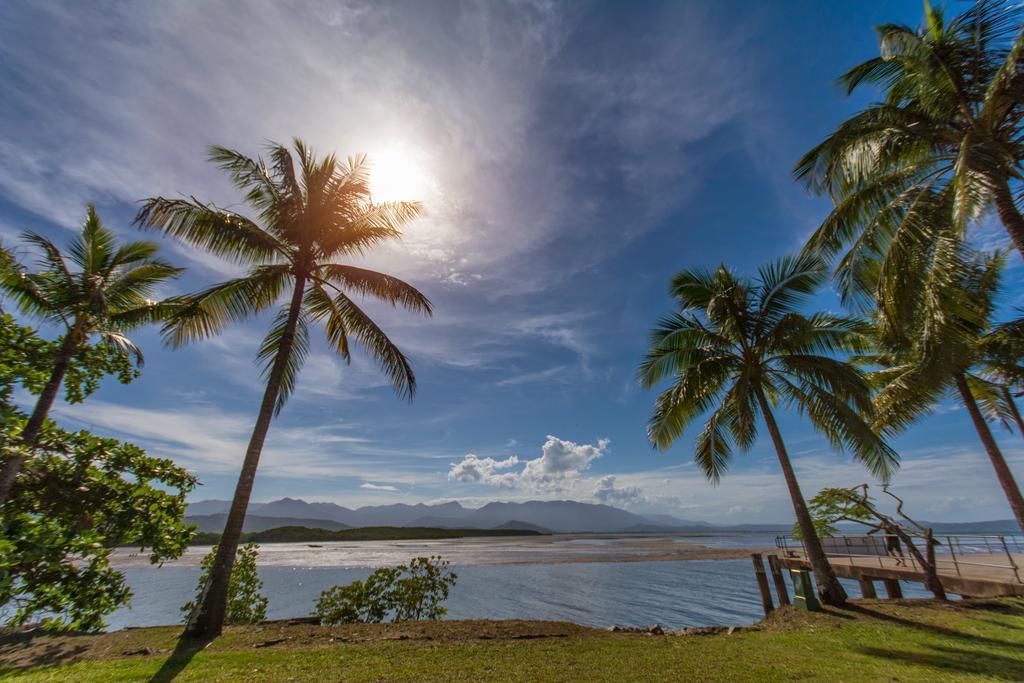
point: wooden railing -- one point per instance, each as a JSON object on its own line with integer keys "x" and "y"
{"x": 955, "y": 553}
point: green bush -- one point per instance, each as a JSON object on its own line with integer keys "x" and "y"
{"x": 245, "y": 604}
{"x": 405, "y": 593}
{"x": 77, "y": 498}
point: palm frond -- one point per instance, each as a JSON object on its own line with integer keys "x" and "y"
{"x": 207, "y": 227}
{"x": 273, "y": 352}
{"x": 204, "y": 314}
{"x": 388, "y": 356}
{"x": 378, "y": 285}
{"x": 785, "y": 283}
{"x": 713, "y": 450}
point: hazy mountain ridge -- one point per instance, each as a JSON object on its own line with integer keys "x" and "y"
{"x": 215, "y": 522}
{"x": 561, "y": 516}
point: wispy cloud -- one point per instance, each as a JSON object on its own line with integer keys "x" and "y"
{"x": 377, "y": 487}
{"x": 531, "y": 377}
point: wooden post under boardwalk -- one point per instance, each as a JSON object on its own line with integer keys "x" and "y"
{"x": 892, "y": 588}
{"x": 780, "y": 583}
{"x": 805, "y": 594}
{"x": 867, "y": 588}
{"x": 762, "y": 583}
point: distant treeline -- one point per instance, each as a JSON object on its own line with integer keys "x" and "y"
{"x": 302, "y": 534}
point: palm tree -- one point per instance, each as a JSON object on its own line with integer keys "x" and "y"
{"x": 951, "y": 347}
{"x": 950, "y": 125}
{"x": 309, "y": 212}
{"x": 739, "y": 348}
{"x": 104, "y": 295}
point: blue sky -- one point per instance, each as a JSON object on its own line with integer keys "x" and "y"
{"x": 572, "y": 157}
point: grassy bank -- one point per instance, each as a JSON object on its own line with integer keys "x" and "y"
{"x": 303, "y": 534}
{"x": 872, "y": 640}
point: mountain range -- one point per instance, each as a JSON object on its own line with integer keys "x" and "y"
{"x": 560, "y": 516}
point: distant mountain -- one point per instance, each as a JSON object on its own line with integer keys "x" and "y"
{"x": 210, "y": 507}
{"x": 1005, "y": 527}
{"x": 516, "y": 525}
{"x": 554, "y": 515}
{"x": 670, "y": 521}
{"x": 215, "y": 522}
{"x": 440, "y": 522}
{"x": 293, "y": 507}
{"x": 559, "y": 516}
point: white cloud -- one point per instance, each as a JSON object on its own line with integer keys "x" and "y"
{"x": 377, "y": 487}
{"x": 463, "y": 85}
{"x": 531, "y": 377}
{"x": 212, "y": 442}
{"x": 605, "y": 491}
{"x": 558, "y": 469}
{"x": 473, "y": 469}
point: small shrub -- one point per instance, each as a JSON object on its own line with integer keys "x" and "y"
{"x": 245, "y": 604}
{"x": 405, "y": 593}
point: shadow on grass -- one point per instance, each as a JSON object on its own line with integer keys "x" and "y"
{"x": 955, "y": 660}
{"x": 184, "y": 651}
{"x": 25, "y": 652}
{"x": 931, "y": 628}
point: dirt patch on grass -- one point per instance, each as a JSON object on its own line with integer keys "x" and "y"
{"x": 920, "y": 611}
{"x": 19, "y": 651}
{"x": 39, "y": 649}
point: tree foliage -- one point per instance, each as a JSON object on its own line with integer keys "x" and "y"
{"x": 96, "y": 289}
{"x": 96, "y": 293}
{"x": 833, "y": 505}
{"x": 308, "y": 215}
{"x": 920, "y": 351}
{"x": 406, "y": 592}
{"x": 946, "y": 138}
{"x": 78, "y": 498}
{"x": 26, "y": 360}
{"x": 736, "y": 339}
{"x": 245, "y": 603}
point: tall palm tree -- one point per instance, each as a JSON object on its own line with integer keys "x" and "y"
{"x": 308, "y": 213}
{"x": 738, "y": 348}
{"x": 104, "y": 294}
{"x": 948, "y": 348}
{"x": 950, "y": 124}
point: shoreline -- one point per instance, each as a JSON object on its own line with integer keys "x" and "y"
{"x": 524, "y": 550}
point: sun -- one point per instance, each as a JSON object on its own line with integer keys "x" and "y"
{"x": 397, "y": 175}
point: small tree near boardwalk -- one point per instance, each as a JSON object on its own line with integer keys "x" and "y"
{"x": 833, "y": 505}
{"x": 405, "y": 593}
{"x": 245, "y": 603}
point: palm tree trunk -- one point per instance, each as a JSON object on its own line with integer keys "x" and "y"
{"x": 1003, "y": 473}
{"x": 832, "y": 592}
{"x": 30, "y": 434}
{"x": 207, "y": 619}
{"x": 1008, "y": 213}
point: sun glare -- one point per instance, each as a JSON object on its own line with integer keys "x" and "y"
{"x": 396, "y": 175}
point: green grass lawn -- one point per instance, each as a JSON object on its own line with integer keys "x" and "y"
{"x": 875, "y": 640}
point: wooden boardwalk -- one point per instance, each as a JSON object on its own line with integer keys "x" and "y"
{"x": 978, "y": 575}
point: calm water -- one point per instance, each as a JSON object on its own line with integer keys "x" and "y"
{"x": 672, "y": 593}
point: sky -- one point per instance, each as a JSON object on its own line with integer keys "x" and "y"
{"x": 571, "y": 157}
